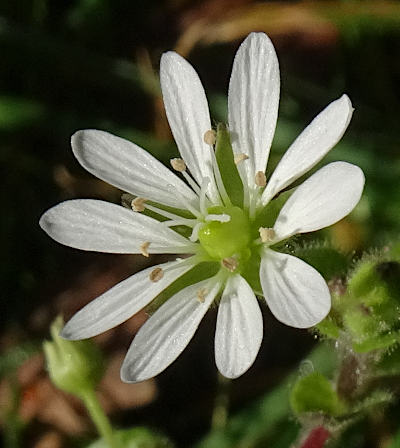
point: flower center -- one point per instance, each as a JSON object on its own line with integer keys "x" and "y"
{"x": 225, "y": 239}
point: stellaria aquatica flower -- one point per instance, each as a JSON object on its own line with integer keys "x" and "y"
{"x": 218, "y": 217}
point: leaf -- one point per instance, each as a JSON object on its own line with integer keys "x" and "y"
{"x": 315, "y": 393}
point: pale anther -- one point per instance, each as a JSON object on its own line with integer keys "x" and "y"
{"x": 240, "y": 157}
{"x": 138, "y": 204}
{"x": 156, "y": 275}
{"x": 267, "y": 234}
{"x": 260, "y": 179}
{"x": 201, "y": 295}
{"x": 178, "y": 165}
{"x": 230, "y": 263}
{"x": 144, "y": 247}
{"x": 210, "y": 137}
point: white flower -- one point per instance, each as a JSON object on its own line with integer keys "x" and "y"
{"x": 223, "y": 234}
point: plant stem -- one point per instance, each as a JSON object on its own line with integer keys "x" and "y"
{"x": 220, "y": 412}
{"x": 99, "y": 418}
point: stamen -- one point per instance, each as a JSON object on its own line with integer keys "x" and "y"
{"x": 191, "y": 182}
{"x": 267, "y": 234}
{"x": 260, "y": 179}
{"x": 178, "y": 165}
{"x": 179, "y": 222}
{"x": 184, "y": 221}
{"x": 138, "y": 204}
{"x": 221, "y": 218}
{"x": 156, "y": 275}
{"x": 203, "y": 197}
{"x": 254, "y": 195}
{"x": 218, "y": 180}
{"x": 143, "y": 249}
{"x": 195, "y": 233}
{"x": 201, "y": 295}
{"x": 240, "y": 157}
{"x": 210, "y": 137}
{"x": 230, "y": 263}
{"x": 185, "y": 202}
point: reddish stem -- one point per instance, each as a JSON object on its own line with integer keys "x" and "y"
{"x": 317, "y": 438}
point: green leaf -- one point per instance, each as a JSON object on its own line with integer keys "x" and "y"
{"x": 366, "y": 283}
{"x": 327, "y": 260}
{"x": 314, "y": 393}
{"x": 227, "y": 167}
{"x": 380, "y": 342}
{"x": 136, "y": 438}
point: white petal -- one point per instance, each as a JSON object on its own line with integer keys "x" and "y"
{"x": 317, "y": 139}
{"x": 121, "y": 302}
{"x": 89, "y": 224}
{"x": 325, "y": 198}
{"x": 295, "y": 292}
{"x": 239, "y": 329}
{"x": 188, "y": 116}
{"x": 128, "y": 167}
{"x": 253, "y": 101}
{"x": 166, "y": 334}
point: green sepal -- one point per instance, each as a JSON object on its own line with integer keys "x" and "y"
{"x": 251, "y": 271}
{"x": 74, "y": 366}
{"x": 135, "y": 438}
{"x": 329, "y": 328}
{"x": 315, "y": 393}
{"x": 266, "y": 217}
{"x": 227, "y": 167}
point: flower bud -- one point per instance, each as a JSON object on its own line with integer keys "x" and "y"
{"x": 74, "y": 366}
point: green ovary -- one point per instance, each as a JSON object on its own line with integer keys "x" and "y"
{"x": 225, "y": 239}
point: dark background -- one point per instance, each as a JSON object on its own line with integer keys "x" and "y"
{"x": 68, "y": 65}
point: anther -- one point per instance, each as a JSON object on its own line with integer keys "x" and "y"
{"x": 138, "y": 204}
{"x": 210, "y": 137}
{"x": 143, "y": 249}
{"x": 260, "y": 179}
{"x": 230, "y": 263}
{"x": 156, "y": 275}
{"x": 267, "y": 234}
{"x": 178, "y": 165}
{"x": 201, "y": 295}
{"x": 240, "y": 158}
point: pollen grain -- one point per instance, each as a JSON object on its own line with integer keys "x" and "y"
{"x": 143, "y": 249}
{"x": 156, "y": 275}
{"x": 178, "y": 164}
{"x": 210, "y": 137}
{"x": 260, "y": 179}
{"x": 138, "y": 204}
